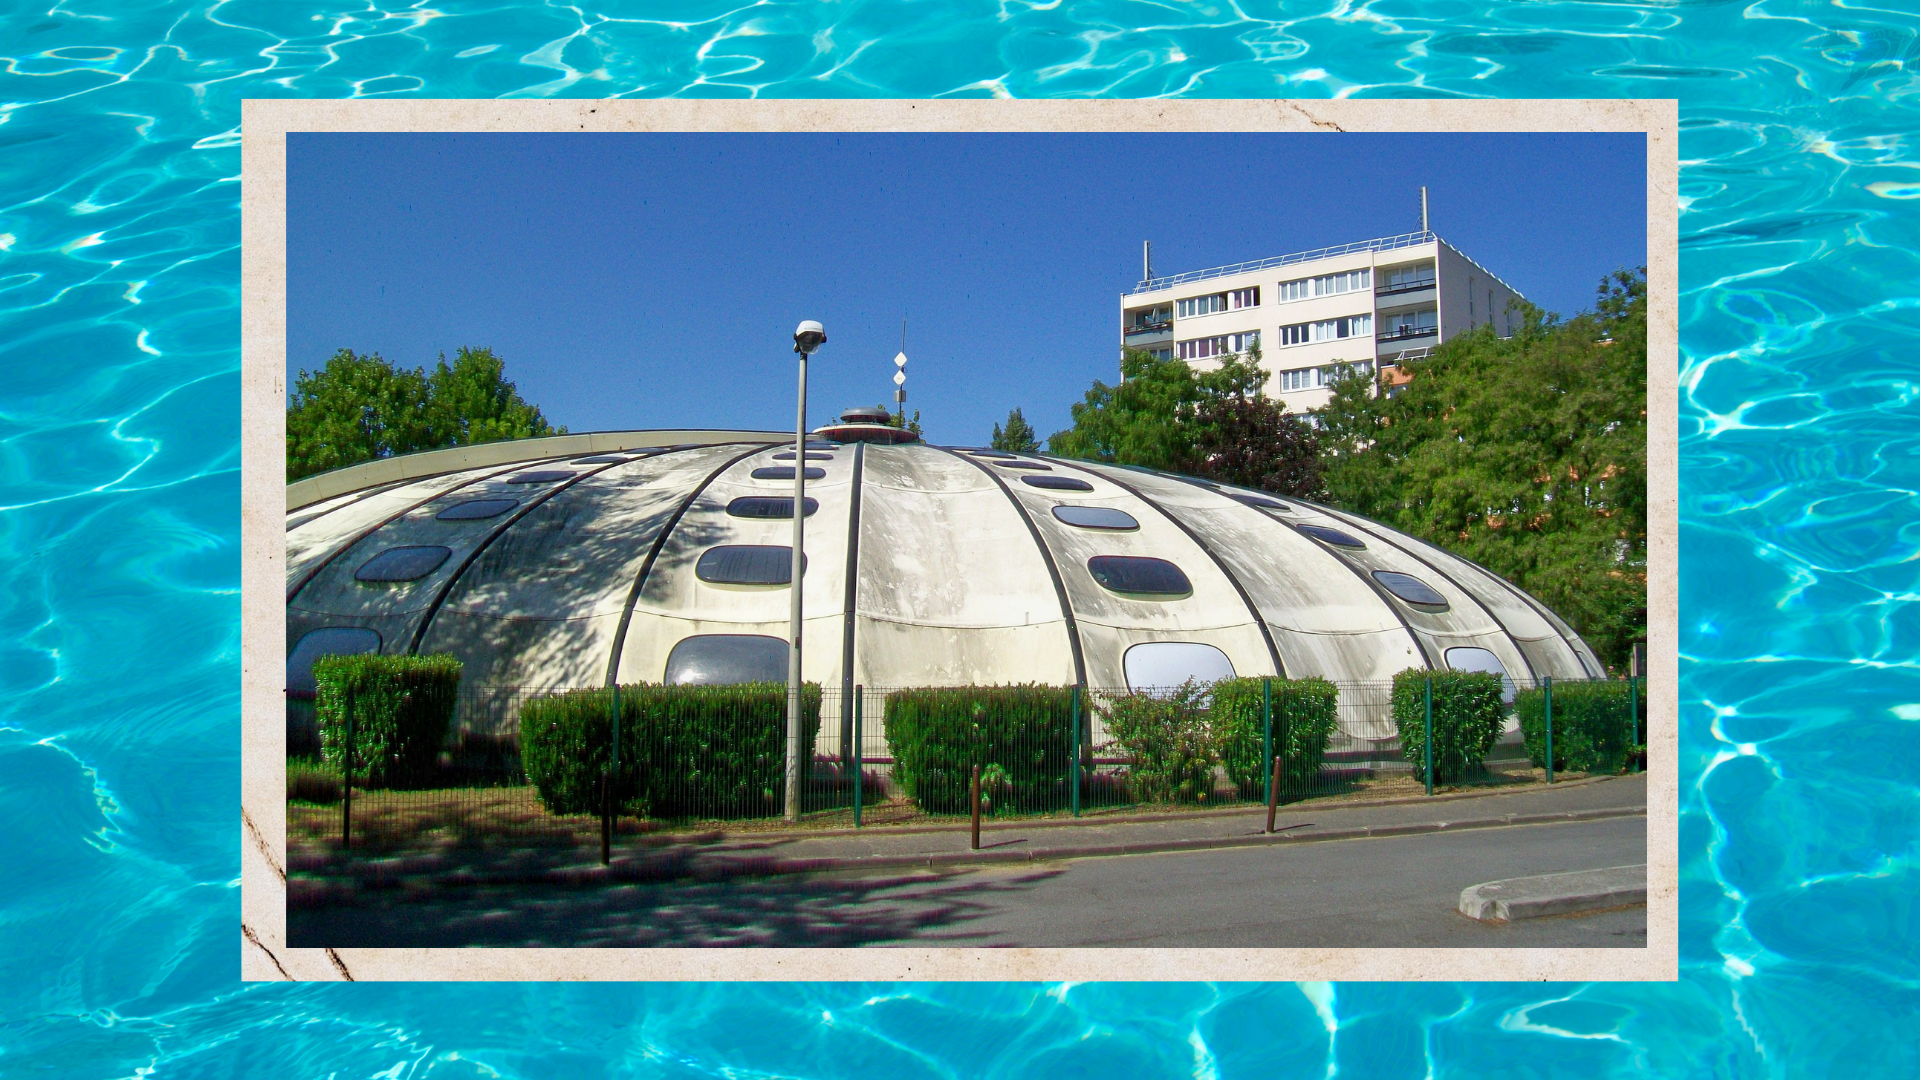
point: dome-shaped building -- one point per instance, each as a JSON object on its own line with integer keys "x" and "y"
{"x": 664, "y": 556}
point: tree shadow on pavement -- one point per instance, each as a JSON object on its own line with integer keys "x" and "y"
{"x": 788, "y": 911}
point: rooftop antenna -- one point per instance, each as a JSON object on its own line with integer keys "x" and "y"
{"x": 900, "y": 375}
{"x": 1146, "y": 260}
{"x": 1423, "y": 208}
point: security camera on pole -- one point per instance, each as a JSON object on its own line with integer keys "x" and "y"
{"x": 810, "y": 336}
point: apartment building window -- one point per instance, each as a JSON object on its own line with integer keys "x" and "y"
{"x": 1326, "y": 285}
{"x": 1218, "y": 345}
{"x": 1410, "y": 324}
{"x": 1200, "y": 305}
{"x": 1295, "y": 334}
{"x": 1202, "y": 348}
{"x": 1314, "y": 378}
{"x": 1335, "y": 329}
{"x": 1243, "y": 298}
{"x": 1407, "y": 279}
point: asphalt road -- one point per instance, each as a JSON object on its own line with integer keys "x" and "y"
{"x": 1386, "y": 892}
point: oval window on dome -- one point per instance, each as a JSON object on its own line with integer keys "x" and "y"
{"x": 1168, "y": 665}
{"x": 1094, "y": 517}
{"x": 1057, "y": 483}
{"x": 747, "y": 564}
{"x": 403, "y": 563}
{"x": 787, "y": 455}
{"x": 542, "y": 476}
{"x": 1259, "y": 501}
{"x": 1411, "y": 589}
{"x": 476, "y": 509}
{"x": 768, "y": 506}
{"x": 1332, "y": 536}
{"x": 726, "y": 659}
{"x": 326, "y": 641}
{"x": 1034, "y": 465}
{"x": 1466, "y": 658}
{"x": 785, "y": 472}
{"x": 1139, "y": 575}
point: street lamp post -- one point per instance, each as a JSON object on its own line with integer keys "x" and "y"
{"x": 810, "y": 336}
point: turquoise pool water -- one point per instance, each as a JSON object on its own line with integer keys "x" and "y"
{"x": 119, "y": 528}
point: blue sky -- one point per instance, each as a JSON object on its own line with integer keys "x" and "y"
{"x": 654, "y": 280}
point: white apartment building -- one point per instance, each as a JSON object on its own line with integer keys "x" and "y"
{"x": 1369, "y": 305}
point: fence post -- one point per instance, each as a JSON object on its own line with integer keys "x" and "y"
{"x": 614, "y": 794}
{"x": 1076, "y": 751}
{"x": 606, "y": 817}
{"x": 976, "y": 806}
{"x": 1266, "y": 738}
{"x": 346, "y": 775}
{"x": 1548, "y": 682}
{"x": 1633, "y": 716}
{"x": 1273, "y": 791}
{"x": 1429, "y": 736}
{"x": 859, "y": 752}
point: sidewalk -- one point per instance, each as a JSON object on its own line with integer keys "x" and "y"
{"x": 716, "y": 856}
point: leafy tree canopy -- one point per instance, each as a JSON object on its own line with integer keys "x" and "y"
{"x": 362, "y": 408}
{"x": 1527, "y": 454}
{"x": 899, "y": 420}
{"x": 1163, "y": 414}
{"x": 1018, "y": 436}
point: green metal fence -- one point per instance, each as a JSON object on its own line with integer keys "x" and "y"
{"x": 590, "y": 769}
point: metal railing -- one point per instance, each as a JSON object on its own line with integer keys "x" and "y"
{"x": 1385, "y": 243}
{"x": 886, "y": 756}
{"x": 1409, "y": 332}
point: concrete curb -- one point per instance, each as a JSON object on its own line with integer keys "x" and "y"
{"x": 1554, "y": 894}
{"x": 682, "y": 864}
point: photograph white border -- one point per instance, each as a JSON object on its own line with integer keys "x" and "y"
{"x": 264, "y": 952}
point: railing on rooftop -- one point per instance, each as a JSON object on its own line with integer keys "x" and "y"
{"x": 1385, "y": 243}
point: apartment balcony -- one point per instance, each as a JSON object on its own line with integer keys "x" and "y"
{"x": 1158, "y": 326}
{"x": 1405, "y": 333}
{"x": 1405, "y": 296}
{"x": 1405, "y": 286}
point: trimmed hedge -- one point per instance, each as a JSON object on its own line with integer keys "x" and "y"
{"x": 1305, "y": 712}
{"x": 402, "y": 711}
{"x": 1591, "y": 729}
{"x": 1020, "y": 736}
{"x": 1467, "y": 718}
{"x": 1170, "y": 740}
{"x": 685, "y": 751}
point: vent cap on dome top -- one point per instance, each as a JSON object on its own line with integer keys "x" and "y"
{"x": 866, "y": 414}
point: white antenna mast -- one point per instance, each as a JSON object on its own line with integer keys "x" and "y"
{"x": 1423, "y": 209}
{"x": 900, "y": 375}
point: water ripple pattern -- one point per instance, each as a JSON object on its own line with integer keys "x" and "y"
{"x": 119, "y": 525}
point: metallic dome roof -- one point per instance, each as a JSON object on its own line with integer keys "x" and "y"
{"x": 925, "y": 566}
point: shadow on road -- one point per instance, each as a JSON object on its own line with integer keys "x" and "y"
{"x": 836, "y": 911}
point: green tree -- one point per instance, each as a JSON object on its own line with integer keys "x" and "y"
{"x": 1018, "y": 436}
{"x": 899, "y": 420}
{"x": 1137, "y": 420}
{"x": 472, "y": 401}
{"x": 1252, "y": 441}
{"x": 1215, "y": 423}
{"x": 357, "y": 408}
{"x": 1526, "y": 454}
{"x": 361, "y": 408}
